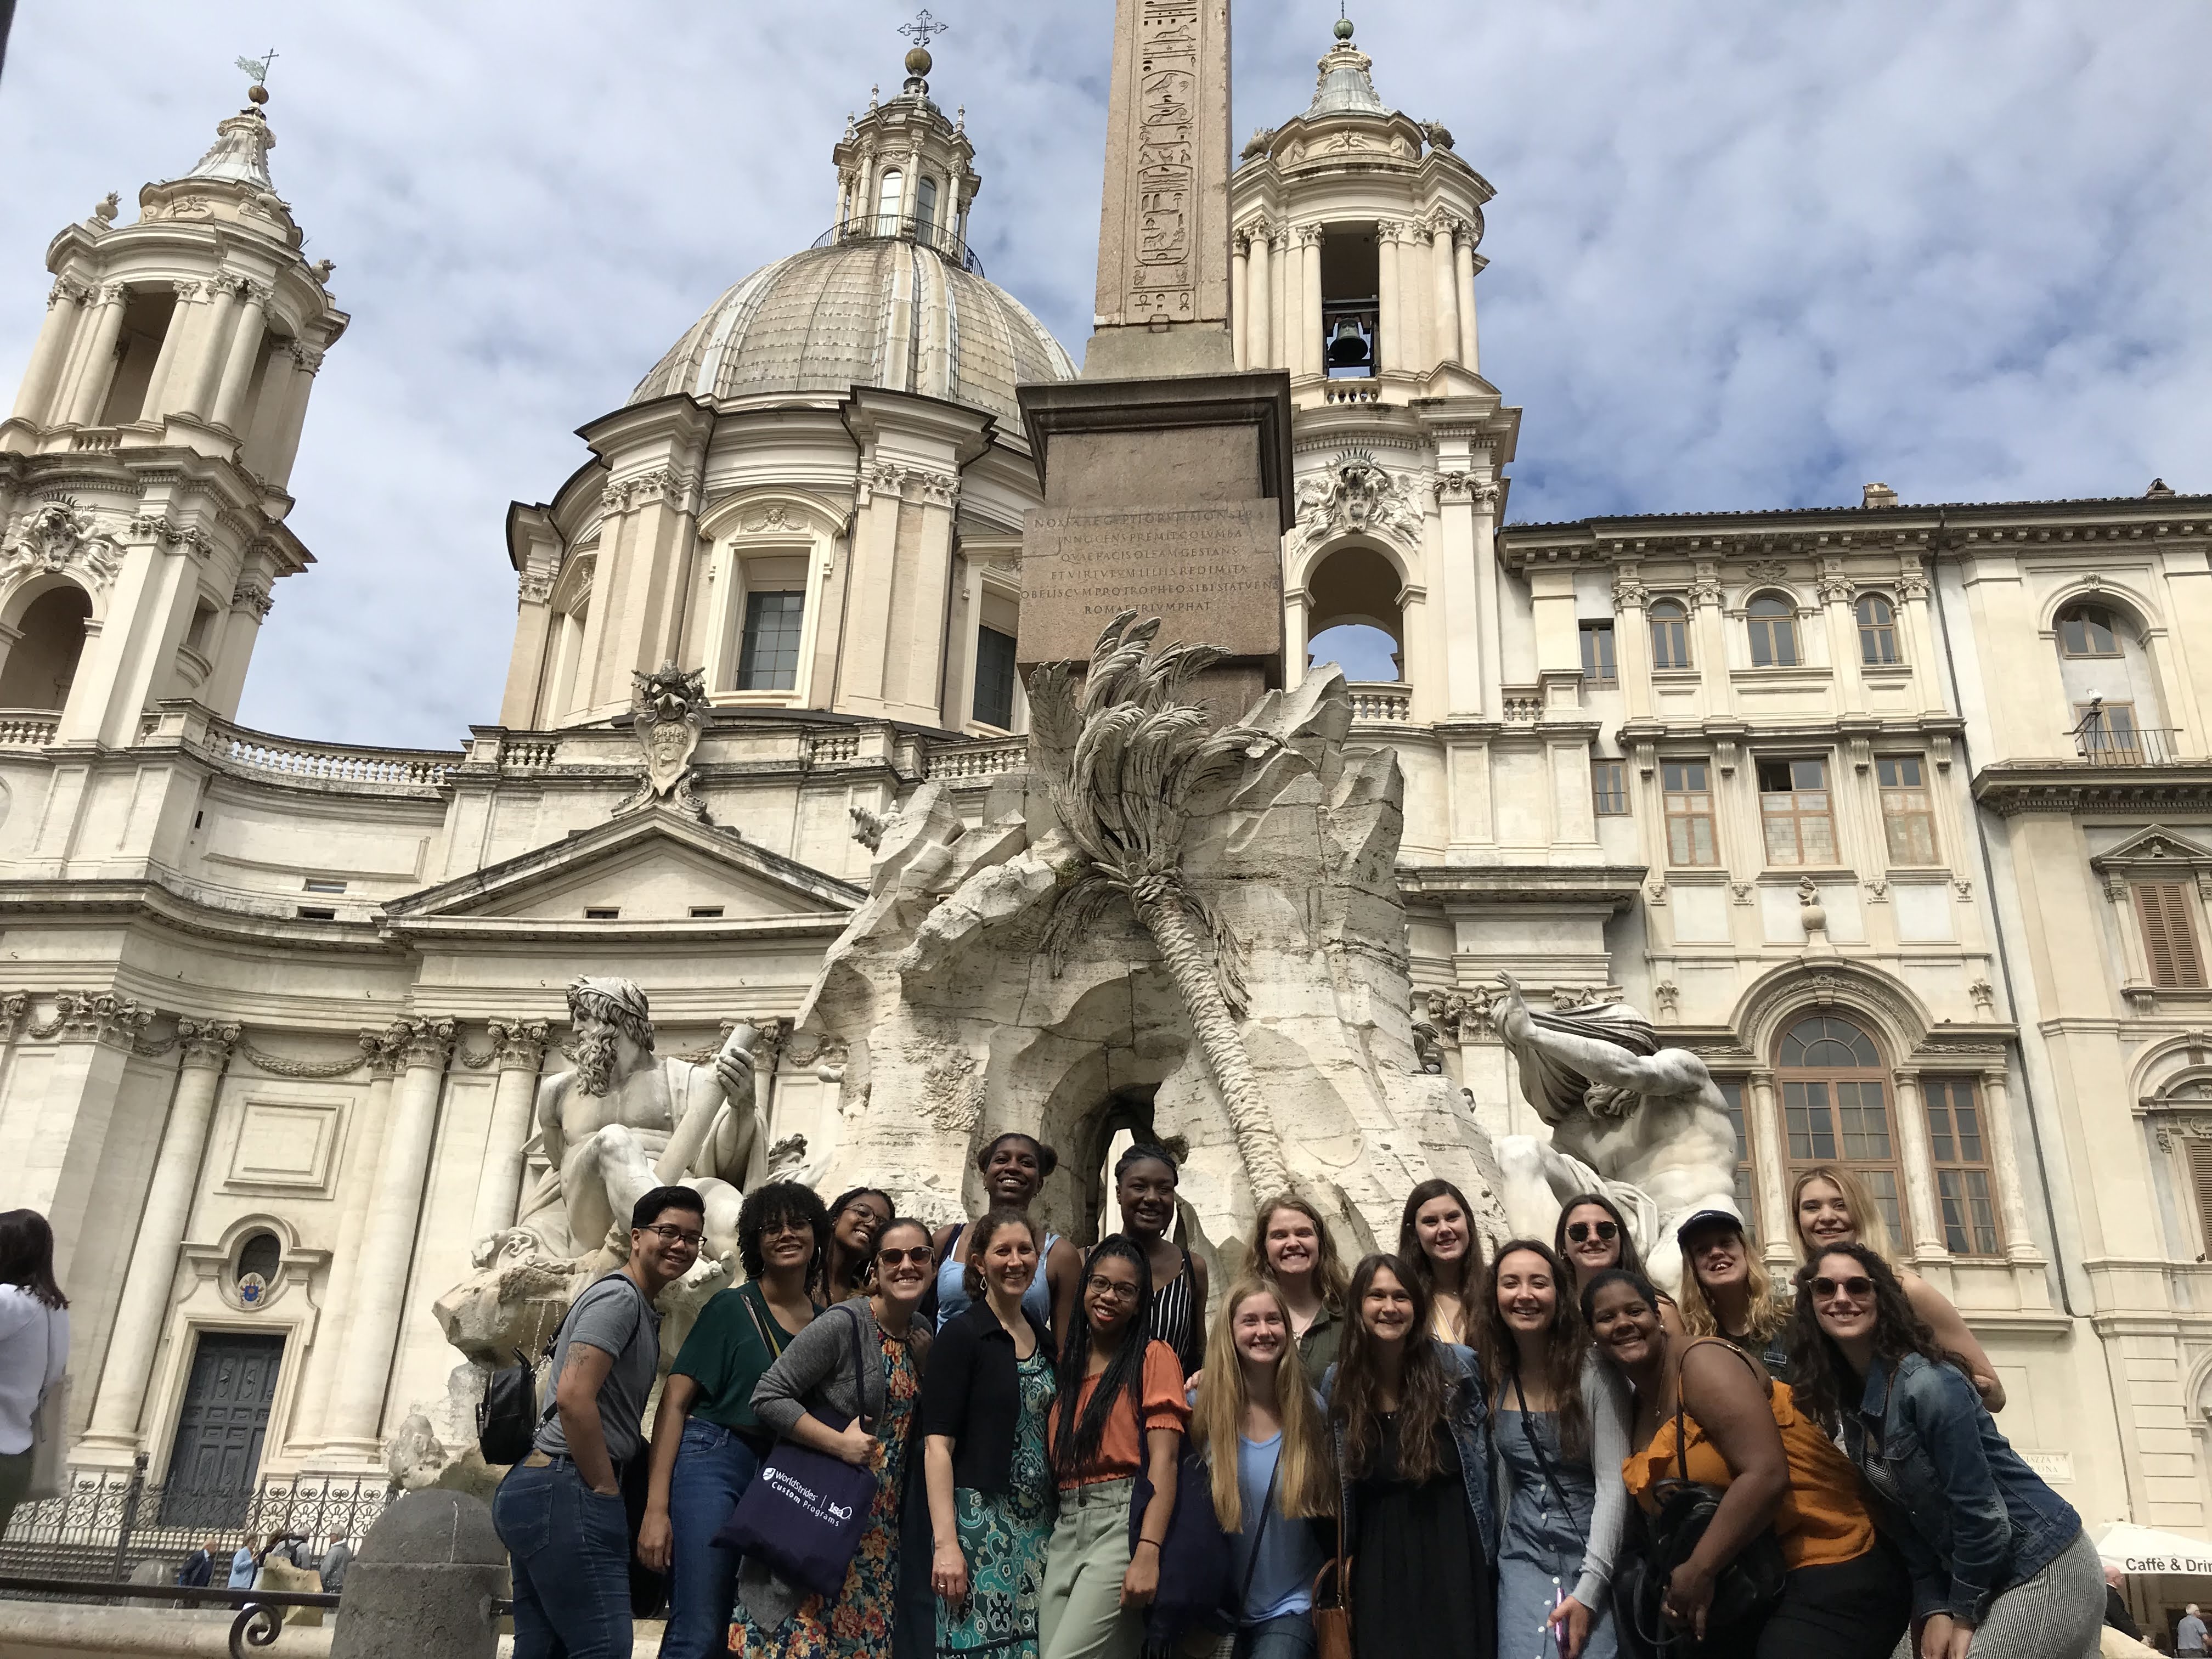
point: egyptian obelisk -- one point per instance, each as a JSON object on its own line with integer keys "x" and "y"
{"x": 1166, "y": 470}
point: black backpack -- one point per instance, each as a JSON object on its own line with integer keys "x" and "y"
{"x": 507, "y": 1416}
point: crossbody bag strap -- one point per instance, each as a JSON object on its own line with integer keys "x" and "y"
{"x": 1266, "y": 1508}
{"x": 1536, "y": 1445}
{"x": 859, "y": 1377}
{"x": 1681, "y": 1447}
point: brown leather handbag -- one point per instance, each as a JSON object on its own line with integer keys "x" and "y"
{"x": 1332, "y": 1607}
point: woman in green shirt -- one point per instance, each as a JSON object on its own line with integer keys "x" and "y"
{"x": 707, "y": 1443}
{"x": 1296, "y": 1255}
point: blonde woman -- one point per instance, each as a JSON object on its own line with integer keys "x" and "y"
{"x": 1829, "y": 1206}
{"x": 1298, "y": 1257}
{"x": 1259, "y": 1427}
{"x": 1726, "y": 1291}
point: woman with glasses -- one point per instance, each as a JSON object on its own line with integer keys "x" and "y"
{"x": 1437, "y": 1244}
{"x": 1560, "y": 1426}
{"x": 1412, "y": 1435}
{"x": 1145, "y": 1180}
{"x": 983, "y": 1409}
{"x": 1014, "y": 1168}
{"x": 1726, "y": 1291}
{"x": 1829, "y": 1206}
{"x": 708, "y": 1444}
{"x": 34, "y": 1337}
{"x": 856, "y": 1219}
{"x": 1120, "y": 1410}
{"x": 1298, "y": 1258}
{"x": 812, "y": 1383}
{"x": 2000, "y": 1564}
{"x": 1592, "y": 1236}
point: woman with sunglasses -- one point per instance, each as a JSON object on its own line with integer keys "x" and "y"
{"x": 1412, "y": 1431}
{"x": 857, "y": 1218}
{"x": 983, "y": 1411}
{"x": 1437, "y": 1244}
{"x": 1144, "y": 1181}
{"x": 1726, "y": 1291}
{"x": 1843, "y": 1595}
{"x": 1298, "y": 1258}
{"x": 1831, "y": 1206}
{"x": 708, "y": 1444}
{"x": 1014, "y": 1168}
{"x": 812, "y": 1384}
{"x": 1120, "y": 1409}
{"x": 1592, "y": 1236}
{"x": 2001, "y": 1567}
{"x": 1561, "y": 1431}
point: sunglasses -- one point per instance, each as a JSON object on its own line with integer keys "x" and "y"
{"x": 1581, "y": 1232}
{"x": 1859, "y": 1287}
{"x": 919, "y": 1255}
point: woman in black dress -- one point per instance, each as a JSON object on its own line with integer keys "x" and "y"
{"x": 1411, "y": 1429}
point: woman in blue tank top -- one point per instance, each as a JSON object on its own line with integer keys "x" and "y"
{"x": 1014, "y": 1167}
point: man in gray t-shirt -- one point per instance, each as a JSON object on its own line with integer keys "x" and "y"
{"x": 2189, "y": 1635}
{"x": 560, "y": 1510}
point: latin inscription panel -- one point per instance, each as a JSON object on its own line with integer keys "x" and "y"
{"x": 1213, "y": 575}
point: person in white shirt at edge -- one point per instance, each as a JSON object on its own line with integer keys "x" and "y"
{"x": 34, "y": 1339}
{"x": 2189, "y": 1635}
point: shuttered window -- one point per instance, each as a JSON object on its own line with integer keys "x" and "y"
{"x": 2200, "y": 1184}
{"x": 2170, "y": 935}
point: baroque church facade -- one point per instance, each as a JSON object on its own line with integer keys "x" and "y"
{"x": 1899, "y": 815}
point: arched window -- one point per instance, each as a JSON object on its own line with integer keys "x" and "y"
{"x": 1670, "y": 634}
{"x": 1877, "y": 630}
{"x": 1774, "y": 621}
{"x": 925, "y": 204}
{"x": 1835, "y": 1107}
{"x": 889, "y": 195}
{"x": 2088, "y": 630}
{"x": 1353, "y": 615}
{"x": 42, "y": 659}
{"x": 262, "y": 1252}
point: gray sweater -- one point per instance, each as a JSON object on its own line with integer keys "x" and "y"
{"x": 815, "y": 1375}
{"x": 1604, "y": 1398}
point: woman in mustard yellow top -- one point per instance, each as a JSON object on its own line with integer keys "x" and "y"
{"x": 1843, "y": 1596}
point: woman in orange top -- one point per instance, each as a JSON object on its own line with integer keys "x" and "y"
{"x": 1844, "y": 1597}
{"x": 1121, "y": 1408}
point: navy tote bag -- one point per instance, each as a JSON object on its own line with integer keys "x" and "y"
{"x": 804, "y": 1512}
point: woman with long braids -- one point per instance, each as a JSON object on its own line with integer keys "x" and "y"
{"x": 1829, "y": 1206}
{"x": 1561, "y": 1430}
{"x": 1120, "y": 1409}
{"x": 1592, "y": 1236}
{"x": 1437, "y": 1244}
{"x": 857, "y": 1220}
{"x": 1014, "y": 1167}
{"x": 1298, "y": 1258}
{"x": 1144, "y": 1179}
{"x": 1412, "y": 1433}
{"x": 2001, "y": 1567}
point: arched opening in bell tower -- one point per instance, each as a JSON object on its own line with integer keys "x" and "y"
{"x": 47, "y": 643}
{"x": 1353, "y": 616}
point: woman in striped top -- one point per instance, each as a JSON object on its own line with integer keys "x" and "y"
{"x": 1145, "y": 1180}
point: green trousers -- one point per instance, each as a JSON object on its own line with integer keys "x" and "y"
{"x": 1081, "y": 1615}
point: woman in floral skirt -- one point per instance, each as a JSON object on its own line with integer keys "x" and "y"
{"x": 776, "y": 1619}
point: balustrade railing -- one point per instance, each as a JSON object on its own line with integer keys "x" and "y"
{"x": 1383, "y": 700}
{"x": 295, "y": 761}
{"x": 839, "y": 746}
{"x": 980, "y": 760}
{"x": 941, "y": 239}
{"x": 27, "y": 729}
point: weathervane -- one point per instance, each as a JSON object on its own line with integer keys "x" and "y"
{"x": 258, "y": 69}
{"x": 924, "y": 29}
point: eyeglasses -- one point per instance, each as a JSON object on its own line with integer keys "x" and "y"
{"x": 1580, "y": 1231}
{"x": 795, "y": 1227}
{"x": 1110, "y": 1288}
{"x": 919, "y": 1255}
{"x": 675, "y": 1236}
{"x": 1859, "y": 1287}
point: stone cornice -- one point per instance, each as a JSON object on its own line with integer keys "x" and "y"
{"x": 2011, "y": 788}
{"x": 1614, "y": 885}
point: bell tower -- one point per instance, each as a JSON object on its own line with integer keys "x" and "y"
{"x": 142, "y": 471}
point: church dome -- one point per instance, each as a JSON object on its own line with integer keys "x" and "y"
{"x": 869, "y": 310}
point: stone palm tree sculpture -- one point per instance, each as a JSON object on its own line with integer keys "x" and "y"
{"x": 1123, "y": 758}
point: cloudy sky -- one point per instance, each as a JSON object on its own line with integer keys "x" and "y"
{"x": 1742, "y": 255}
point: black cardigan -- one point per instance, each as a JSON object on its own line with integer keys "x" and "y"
{"x": 972, "y": 1395}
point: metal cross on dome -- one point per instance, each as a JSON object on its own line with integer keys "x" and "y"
{"x": 924, "y": 29}
{"x": 258, "y": 67}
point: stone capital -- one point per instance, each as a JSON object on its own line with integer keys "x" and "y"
{"x": 518, "y": 1045}
{"x": 67, "y": 288}
{"x": 86, "y": 1018}
{"x": 114, "y": 293}
{"x": 1834, "y": 589}
{"x": 1311, "y": 234}
{"x": 426, "y": 1044}
{"x": 383, "y": 1049}
{"x": 250, "y": 596}
{"x": 206, "y": 1043}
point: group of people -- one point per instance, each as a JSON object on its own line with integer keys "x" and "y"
{"x": 1535, "y": 1452}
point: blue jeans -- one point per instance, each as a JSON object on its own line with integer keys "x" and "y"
{"x": 568, "y": 1547}
{"x": 1290, "y": 1636}
{"x": 713, "y": 1469}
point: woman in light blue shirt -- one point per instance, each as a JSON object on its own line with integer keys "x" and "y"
{"x": 1282, "y": 1480}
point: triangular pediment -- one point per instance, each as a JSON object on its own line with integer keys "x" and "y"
{"x": 2155, "y": 846}
{"x": 648, "y": 868}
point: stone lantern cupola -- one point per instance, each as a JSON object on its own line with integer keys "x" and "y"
{"x": 904, "y": 170}
{"x": 1354, "y": 255}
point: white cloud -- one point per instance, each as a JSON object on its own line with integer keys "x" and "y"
{"x": 1741, "y": 257}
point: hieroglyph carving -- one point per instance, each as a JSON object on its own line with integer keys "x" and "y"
{"x": 668, "y": 712}
{"x": 1163, "y": 278}
{"x": 59, "y": 536}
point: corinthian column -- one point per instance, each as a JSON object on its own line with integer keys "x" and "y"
{"x": 517, "y": 1049}
{"x": 1259, "y": 296}
{"x": 142, "y": 1314}
{"x": 388, "y": 1241}
{"x": 51, "y": 350}
{"x": 1447, "y": 301}
{"x": 200, "y": 383}
{"x": 238, "y": 367}
{"x": 99, "y": 366}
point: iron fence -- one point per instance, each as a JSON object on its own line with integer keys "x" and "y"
{"x": 110, "y": 1524}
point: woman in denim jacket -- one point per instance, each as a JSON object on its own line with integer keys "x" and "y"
{"x": 2001, "y": 1567}
{"x": 1411, "y": 1423}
